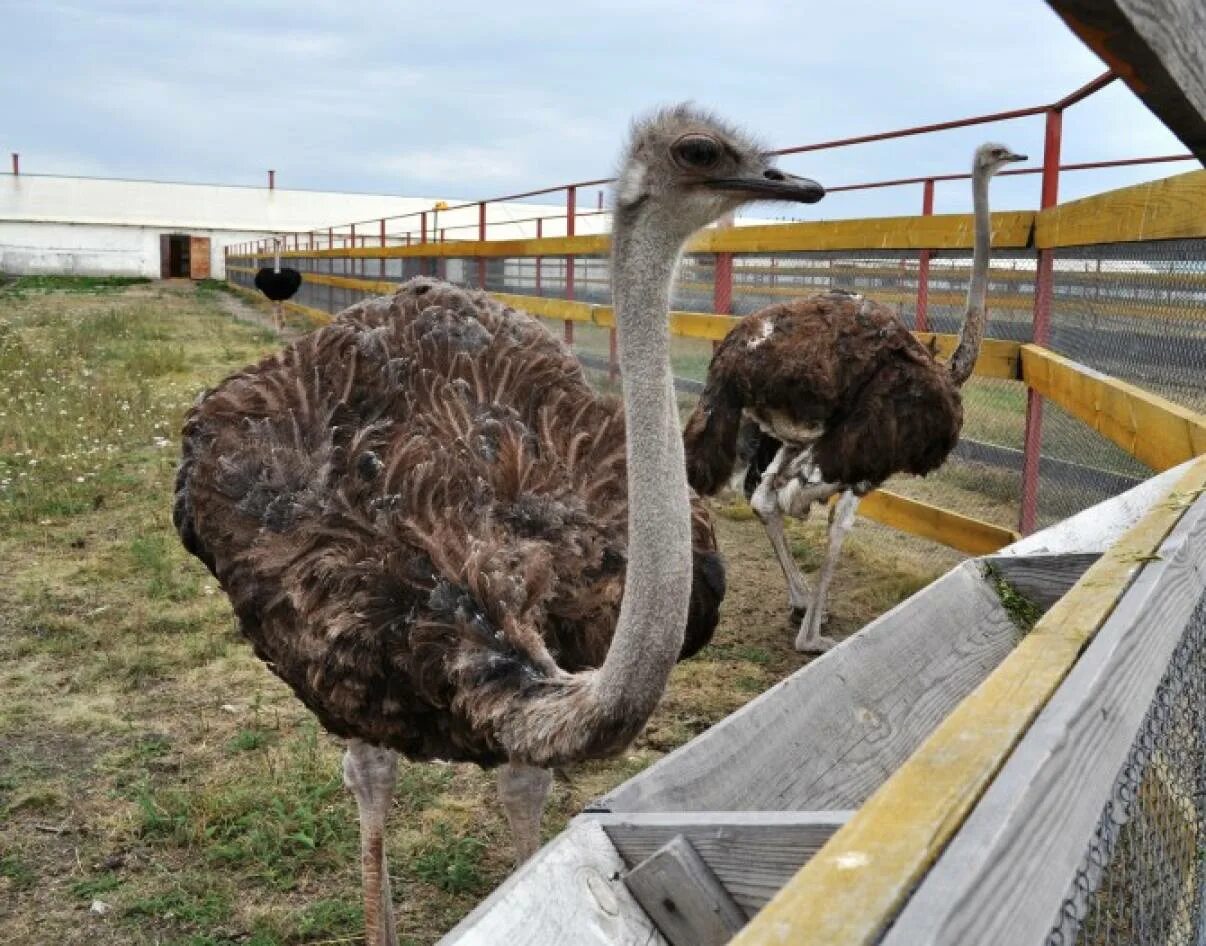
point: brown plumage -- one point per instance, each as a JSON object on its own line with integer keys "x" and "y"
{"x": 845, "y": 372}
{"x": 445, "y": 542}
{"x": 831, "y": 394}
{"x": 417, "y": 510}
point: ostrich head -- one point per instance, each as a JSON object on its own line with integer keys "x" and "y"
{"x": 991, "y": 157}
{"x": 687, "y": 168}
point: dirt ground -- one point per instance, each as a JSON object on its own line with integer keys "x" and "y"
{"x": 157, "y": 783}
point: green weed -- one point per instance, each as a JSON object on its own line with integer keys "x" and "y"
{"x": 451, "y": 863}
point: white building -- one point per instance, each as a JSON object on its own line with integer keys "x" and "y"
{"x": 96, "y": 226}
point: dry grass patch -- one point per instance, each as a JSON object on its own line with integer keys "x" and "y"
{"x": 148, "y": 760}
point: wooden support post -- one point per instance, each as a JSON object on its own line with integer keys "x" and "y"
{"x": 1157, "y": 47}
{"x": 684, "y": 898}
{"x": 1040, "y": 330}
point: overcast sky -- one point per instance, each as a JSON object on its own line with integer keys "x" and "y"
{"x": 472, "y": 99}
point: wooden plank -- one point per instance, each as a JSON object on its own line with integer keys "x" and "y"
{"x": 940, "y": 231}
{"x": 1148, "y": 427}
{"x": 1041, "y": 579}
{"x": 375, "y": 286}
{"x": 752, "y": 853}
{"x": 850, "y": 891}
{"x": 569, "y": 892}
{"x": 1170, "y": 208}
{"x": 683, "y": 897}
{"x": 1157, "y": 47}
{"x": 1097, "y": 528}
{"x": 951, "y": 529}
{"x": 1003, "y": 877}
{"x": 828, "y": 735}
{"x": 1011, "y": 229}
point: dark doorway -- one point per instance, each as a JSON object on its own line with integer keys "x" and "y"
{"x": 174, "y": 256}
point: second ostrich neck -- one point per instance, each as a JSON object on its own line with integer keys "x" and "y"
{"x": 657, "y": 588}
{"x": 972, "y": 333}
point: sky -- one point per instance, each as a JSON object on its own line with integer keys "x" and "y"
{"x": 472, "y": 99}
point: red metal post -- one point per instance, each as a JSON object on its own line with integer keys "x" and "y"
{"x": 381, "y": 273}
{"x": 16, "y": 163}
{"x": 481, "y": 235}
{"x": 571, "y": 198}
{"x": 1041, "y": 329}
{"x": 331, "y": 239}
{"x": 539, "y": 235}
{"x": 272, "y": 180}
{"x": 722, "y": 277}
{"x": 351, "y": 265}
{"x": 923, "y": 263}
{"x": 441, "y": 263}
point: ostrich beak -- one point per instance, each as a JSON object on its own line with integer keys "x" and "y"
{"x": 1017, "y": 157}
{"x": 771, "y": 184}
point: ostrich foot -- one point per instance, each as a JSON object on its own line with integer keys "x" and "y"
{"x": 815, "y": 645}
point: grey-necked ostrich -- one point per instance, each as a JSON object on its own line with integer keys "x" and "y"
{"x": 831, "y": 394}
{"x": 444, "y": 541}
{"x": 277, "y": 283}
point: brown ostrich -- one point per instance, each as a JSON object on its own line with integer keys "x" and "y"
{"x": 428, "y": 526}
{"x": 831, "y": 394}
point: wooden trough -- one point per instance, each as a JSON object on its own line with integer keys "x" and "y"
{"x": 688, "y": 851}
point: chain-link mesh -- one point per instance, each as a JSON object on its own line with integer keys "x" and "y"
{"x": 1143, "y": 878}
{"x": 1134, "y": 311}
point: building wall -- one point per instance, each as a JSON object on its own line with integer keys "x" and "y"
{"x": 69, "y": 249}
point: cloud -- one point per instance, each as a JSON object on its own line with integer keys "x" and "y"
{"x": 481, "y": 98}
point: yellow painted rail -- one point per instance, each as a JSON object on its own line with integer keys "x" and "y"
{"x": 848, "y": 893}
{"x": 1170, "y": 208}
{"x": 952, "y": 529}
{"x": 1010, "y": 229}
{"x": 1150, "y": 428}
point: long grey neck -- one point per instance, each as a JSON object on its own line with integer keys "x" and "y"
{"x": 657, "y": 588}
{"x": 972, "y": 334}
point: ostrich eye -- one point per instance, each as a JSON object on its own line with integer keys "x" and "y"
{"x": 697, "y": 152}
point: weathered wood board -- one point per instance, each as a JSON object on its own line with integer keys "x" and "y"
{"x": 1041, "y": 579}
{"x": 683, "y": 897}
{"x": 1158, "y": 48}
{"x": 828, "y": 735}
{"x": 752, "y": 853}
{"x": 570, "y": 892}
{"x": 1005, "y": 874}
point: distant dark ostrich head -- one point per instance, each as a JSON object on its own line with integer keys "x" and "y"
{"x": 688, "y": 168}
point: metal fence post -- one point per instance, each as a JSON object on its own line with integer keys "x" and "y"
{"x": 923, "y": 263}
{"x": 722, "y": 276}
{"x": 382, "y": 267}
{"x": 350, "y": 266}
{"x": 1041, "y": 328}
{"x": 539, "y": 235}
{"x": 481, "y": 236}
{"x": 571, "y": 197}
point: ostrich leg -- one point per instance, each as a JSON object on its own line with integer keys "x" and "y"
{"x": 523, "y": 790}
{"x": 369, "y": 774}
{"x": 841, "y": 518}
{"x": 765, "y": 503}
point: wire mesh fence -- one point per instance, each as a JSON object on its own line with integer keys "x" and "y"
{"x": 1134, "y": 311}
{"x": 1142, "y": 880}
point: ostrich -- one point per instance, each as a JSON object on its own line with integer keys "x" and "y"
{"x": 278, "y": 283}
{"x": 831, "y": 394}
{"x": 444, "y": 541}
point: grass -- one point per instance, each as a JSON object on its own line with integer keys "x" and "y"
{"x": 149, "y": 760}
